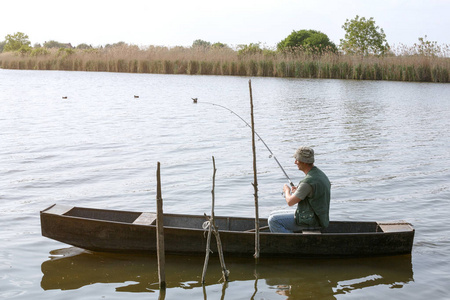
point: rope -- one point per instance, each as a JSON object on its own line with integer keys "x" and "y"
{"x": 206, "y": 225}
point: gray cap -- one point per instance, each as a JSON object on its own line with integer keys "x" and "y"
{"x": 305, "y": 154}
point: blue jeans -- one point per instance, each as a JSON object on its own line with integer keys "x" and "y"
{"x": 284, "y": 222}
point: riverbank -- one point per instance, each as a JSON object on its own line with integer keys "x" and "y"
{"x": 225, "y": 61}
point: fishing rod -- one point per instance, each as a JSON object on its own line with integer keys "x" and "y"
{"x": 260, "y": 138}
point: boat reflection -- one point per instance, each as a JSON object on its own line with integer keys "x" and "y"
{"x": 73, "y": 268}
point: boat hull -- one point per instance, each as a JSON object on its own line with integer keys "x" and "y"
{"x": 118, "y": 231}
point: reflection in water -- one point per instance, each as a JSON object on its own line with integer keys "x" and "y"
{"x": 73, "y": 268}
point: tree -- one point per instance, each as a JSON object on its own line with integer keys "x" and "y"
{"x": 201, "y": 43}
{"x": 219, "y": 45}
{"x": 363, "y": 37}
{"x": 2, "y": 45}
{"x": 311, "y": 40}
{"x": 39, "y": 51}
{"x": 84, "y": 46}
{"x": 55, "y": 44}
{"x": 17, "y": 41}
{"x": 250, "y": 49}
{"x": 118, "y": 44}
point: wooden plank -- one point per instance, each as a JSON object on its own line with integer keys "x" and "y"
{"x": 58, "y": 209}
{"x": 311, "y": 232}
{"x": 146, "y": 218}
{"x": 395, "y": 227}
{"x": 261, "y": 229}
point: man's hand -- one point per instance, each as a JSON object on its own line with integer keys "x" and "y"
{"x": 290, "y": 198}
{"x": 287, "y": 188}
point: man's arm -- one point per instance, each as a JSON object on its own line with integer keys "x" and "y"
{"x": 293, "y": 197}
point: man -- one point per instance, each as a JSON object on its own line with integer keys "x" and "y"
{"x": 312, "y": 197}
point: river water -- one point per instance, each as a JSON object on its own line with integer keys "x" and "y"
{"x": 384, "y": 146}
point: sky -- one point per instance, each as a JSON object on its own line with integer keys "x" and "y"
{"x": 233, "y": 22}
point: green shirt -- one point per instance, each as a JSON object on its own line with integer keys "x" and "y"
{"x": 313, "y": 211}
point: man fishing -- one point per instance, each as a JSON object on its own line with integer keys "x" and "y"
{"x": 312, "y": 195}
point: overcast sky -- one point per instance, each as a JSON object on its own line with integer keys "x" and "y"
{"x": 233, "y": 22}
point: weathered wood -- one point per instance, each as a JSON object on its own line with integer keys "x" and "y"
{"x": 255, "y": 178}
{"x": 146, "y": 219}
{"x": 213, "y": 228}
{"x": 395, "y": 226}
{"x": 311, "y": 232}
{"x": 113, "y": 231}
{"x": 162, "y": 294}
{"x": 208, "y": 251}
{"x": 160, "y": 232}
{"x": 225, "y": 272}
{"x": 254, "y": 229}
{"x": 208, "y": 239}
{"x": 58, "y": 209}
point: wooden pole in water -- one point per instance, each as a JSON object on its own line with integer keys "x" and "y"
{"x": 208, "y": 251}
{"x": 208, "y": 240}
{"x": 255, "y": 183}
{"x": 213, "y": 228}
{"x": 225, "y": 272}
{"x": 160, "y": 232}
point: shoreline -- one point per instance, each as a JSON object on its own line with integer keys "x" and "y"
{"x": 412, "y": 68}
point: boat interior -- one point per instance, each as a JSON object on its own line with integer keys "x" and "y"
{"x": 223, "y": 223}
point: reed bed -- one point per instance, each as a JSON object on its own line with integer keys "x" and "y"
{"x": 225, "y": 61}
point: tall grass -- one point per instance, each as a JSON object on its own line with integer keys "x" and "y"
{"x": 401, "y": 66}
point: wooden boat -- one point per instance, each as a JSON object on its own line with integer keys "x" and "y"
{"x": 125, "y": 231}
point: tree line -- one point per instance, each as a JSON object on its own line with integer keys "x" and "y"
{"x": 362, "y": 54}
{"x": 362, "y": 37}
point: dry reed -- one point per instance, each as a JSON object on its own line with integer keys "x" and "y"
{"x": 403, "y": 65}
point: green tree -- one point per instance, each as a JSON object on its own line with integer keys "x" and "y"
{"x": 84, "y": 46}
{"x": 201, "y": 43}
{"x": 363, "y": 37}
{"x": 311, "y": 40}
{"x": 250, "y": 49}
{"x": 118, "y": 44}
{"x": 2, "y": 45}
{"x": 39, "y": 51}
{"x": 17, "y": 41}
{"x": 55, "y": 44}
{"x": 219, "y": 45}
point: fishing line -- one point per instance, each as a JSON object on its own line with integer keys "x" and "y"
{"x": 246, "y": 123}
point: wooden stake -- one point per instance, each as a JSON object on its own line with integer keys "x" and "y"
{"x": 213, "y": 229}
{"x": 225, "y": 272}
{"x": 160, "y": 232}
{"x": 208, "y": 251}
{"x": 162, "y": 294}
{"x": 255, "y": 183}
